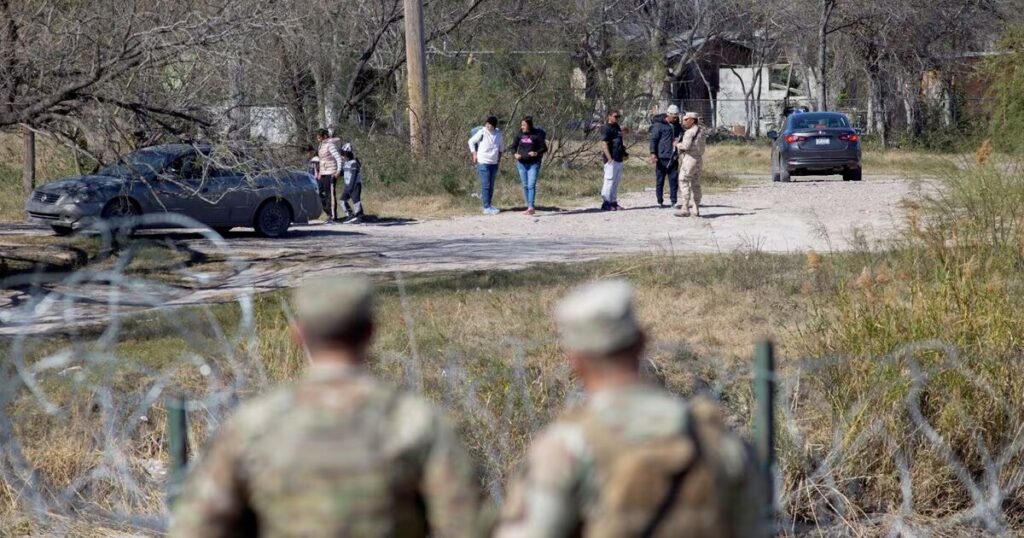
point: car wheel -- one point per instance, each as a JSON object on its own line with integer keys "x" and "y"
{"x": 119, "y": 212}
{"x": 62, "y": 230}
{"x": 784, "y": 175}
{"x": 852, "y": 175}
{"x": 272, "y": 219}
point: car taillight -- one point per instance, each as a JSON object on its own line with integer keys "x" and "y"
{"x": 790, "y": 139}
{"x": 849, "y": 137}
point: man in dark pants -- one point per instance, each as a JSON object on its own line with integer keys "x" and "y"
{"x": 665, "y": 129}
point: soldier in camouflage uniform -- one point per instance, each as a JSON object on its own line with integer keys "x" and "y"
{"x": 338, "y": 454}
{"x": 632, "y": 460}
{"x": 691, "y": 152}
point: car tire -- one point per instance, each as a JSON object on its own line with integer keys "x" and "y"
{"x": 62, "y": 230}
{"x": 852, "y": 175}
{"x": 784, "y": 175}
{"x": 119, "y": 209}
{"x": 272, "y": 218}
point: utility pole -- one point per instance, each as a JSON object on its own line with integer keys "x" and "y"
{"x": 28, "y": 172}
{"x": 416, "y": 62}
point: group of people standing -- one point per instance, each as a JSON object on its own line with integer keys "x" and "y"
{"x": 674, "y": 145}
{"x": 528, "y": 147}
{"x": 330, "y": 160}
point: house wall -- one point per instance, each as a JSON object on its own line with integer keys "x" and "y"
{"x": 731, "y": 108}
{"x": 273, "y": 124}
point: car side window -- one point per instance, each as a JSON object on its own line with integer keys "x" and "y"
{"x": 184, "y": 168}
{"x": 197, "y": 167}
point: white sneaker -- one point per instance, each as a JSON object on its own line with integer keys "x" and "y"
{"x": 491, "y": 211}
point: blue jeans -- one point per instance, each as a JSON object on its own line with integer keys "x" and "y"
{"x": 528, "y": 176}
{"x": 487, "y": 173}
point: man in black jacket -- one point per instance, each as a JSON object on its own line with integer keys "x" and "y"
{"x": 665, "y": 130}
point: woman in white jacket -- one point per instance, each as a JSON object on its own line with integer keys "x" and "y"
{"x": 485, "y": 145}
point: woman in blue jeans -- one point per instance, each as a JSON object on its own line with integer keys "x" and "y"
{"x": 485, "y": 145}
{"x": 529, "y": 147}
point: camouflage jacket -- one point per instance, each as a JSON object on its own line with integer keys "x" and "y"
{"x": 561, "y": 488}
{"x": 339, "y": 454}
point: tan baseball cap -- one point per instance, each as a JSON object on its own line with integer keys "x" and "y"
{"x": 328, "y": 306}
{"x": 598, "y": 318}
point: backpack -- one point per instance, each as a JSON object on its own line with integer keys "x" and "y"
{"x": 683, "y": 486}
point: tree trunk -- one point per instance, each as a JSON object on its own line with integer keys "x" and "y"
{"x": 877, "y": 113}
{"x": 827, "y": 7}
{"x": 948, "y": 102}
{"x": 321, "y": 97}
{"x": 239, "y": 115}
{"x": 28, "y": 174}
{"x": 911, "y": 109}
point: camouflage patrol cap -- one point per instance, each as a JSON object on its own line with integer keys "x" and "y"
{"x": 333, "y": 306}
{"x": 598, "y": 318}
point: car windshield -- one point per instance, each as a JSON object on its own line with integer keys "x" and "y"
{"x": 146, "y": 162}
{"x": 802, "y": 122}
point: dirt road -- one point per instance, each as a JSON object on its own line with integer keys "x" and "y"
{"x": 809, "y": 214}
{"x": 777, "y": 217}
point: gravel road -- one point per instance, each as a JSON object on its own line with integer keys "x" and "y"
{"x": 775, "y": 217}
{"x": 820, "y": 214}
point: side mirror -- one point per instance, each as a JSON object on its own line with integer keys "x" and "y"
{"x": 773, "y": 134}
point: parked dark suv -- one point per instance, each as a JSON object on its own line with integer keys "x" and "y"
{"x": 222, "y": 189}
{"x": 816, "y": 143}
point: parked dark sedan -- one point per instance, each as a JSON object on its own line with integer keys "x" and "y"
{"x": 816, "y": 143}
{"x": 222, "y": 189}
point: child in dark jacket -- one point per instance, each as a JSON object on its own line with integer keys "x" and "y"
{"x": 353, "y": 175}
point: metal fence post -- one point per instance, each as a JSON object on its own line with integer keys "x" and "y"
{"x": 177, "y": 440}
{"x": 764, "y": 420}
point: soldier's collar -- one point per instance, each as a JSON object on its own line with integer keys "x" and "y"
{"x": 330, "y": 371}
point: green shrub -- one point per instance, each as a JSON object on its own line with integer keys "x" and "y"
{"x": 1007, "y": 74}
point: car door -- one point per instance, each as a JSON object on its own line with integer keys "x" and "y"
{"x": 236, "y": 194}
{"x": 191, "y": 187}
{"x": 169, "y": 189}
{"x": 234, "y": 177}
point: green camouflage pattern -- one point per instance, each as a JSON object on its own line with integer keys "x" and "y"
{"x": 339, "y": 454}
{"x": 568, "y": 482}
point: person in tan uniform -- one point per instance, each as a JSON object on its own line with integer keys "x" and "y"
{"x": 691, "y": 152}
{"x": 632, "y": 460}
{"x": 337, "y": 454}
